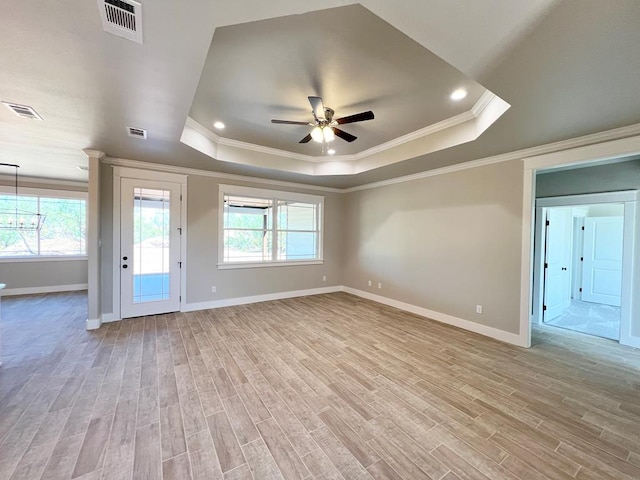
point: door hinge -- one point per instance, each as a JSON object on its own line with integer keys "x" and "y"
{"x": 180, "y": 197}
{"x": 582, "y": 259}
{"x": 544, "y": 308}
{"x": 580, "y": 290}
{"x": 180, "y": 230}
{"x": 180, "y": 264}
{"x": 180, "y": 298}
{"x": 547, "y": 223}
{"x": 583, "y": 228}
{"x": 546, "y": 265}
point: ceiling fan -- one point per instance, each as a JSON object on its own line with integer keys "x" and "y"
{"x": 325, "y": 125}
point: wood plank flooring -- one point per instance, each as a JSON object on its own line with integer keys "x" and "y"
{"x": 324, "y": 387}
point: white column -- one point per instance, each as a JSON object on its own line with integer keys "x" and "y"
{"x": 93, "y": 240}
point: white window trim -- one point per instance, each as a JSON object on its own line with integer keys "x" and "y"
{"x": 268, "y": 194}
{"x": 46, "y": 193}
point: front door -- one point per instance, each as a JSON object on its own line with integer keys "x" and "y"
{"x": 150, "y": 247}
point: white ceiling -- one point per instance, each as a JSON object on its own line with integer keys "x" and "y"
{"x": 567, "y": 68}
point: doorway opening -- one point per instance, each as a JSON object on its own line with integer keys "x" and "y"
{"x": 582, "y": 276}
{"x": 583, "y": 263}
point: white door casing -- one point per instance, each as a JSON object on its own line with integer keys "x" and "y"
{"x": 602, "y": 264}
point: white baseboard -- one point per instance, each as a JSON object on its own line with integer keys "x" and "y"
{"x": 630, "y": 341}
{"x": 110, "y": 317}
{"x": 229, "y": 302}
{"x": 48, "y": 289}
{"x": 501, "y": 335}
{"x": 93, "y": 323}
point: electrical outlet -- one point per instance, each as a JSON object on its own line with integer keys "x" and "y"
{"x": 369, "y": 282}
{"x": 379, "y": 285}
{"x": 478, "y": 308}
{"x": 213, "y": 289}
{"x": 324, "y": 278}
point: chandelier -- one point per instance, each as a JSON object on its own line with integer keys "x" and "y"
{"x": 13, "y": 218}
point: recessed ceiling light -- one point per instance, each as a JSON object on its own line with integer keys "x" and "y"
{"x": 218, "y": 125}
{"x": 459, "y": 94}
{"x": 331, "y": 151}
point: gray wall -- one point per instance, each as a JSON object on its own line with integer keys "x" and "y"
{"x": 35, "y": 274}
{"x": 43, "y": 274}
{"x": 202, "y": 248}
{"x": 598, "y": 179}
{"x": 444, "y": 243}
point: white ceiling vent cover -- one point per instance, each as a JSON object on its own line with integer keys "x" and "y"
{"x": 23, "y": 111}
{"x": 137, "y": 132}
{"x": 122, "y": 18}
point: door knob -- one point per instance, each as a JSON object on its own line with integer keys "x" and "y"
{"x": 124, "y": 266}
{"x": 124, "y": 258}
{"x": 564, "y": 268}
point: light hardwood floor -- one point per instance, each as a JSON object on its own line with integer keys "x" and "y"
{"x": 326, "y": 387}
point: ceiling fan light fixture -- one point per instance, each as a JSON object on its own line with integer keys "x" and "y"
{"x": 317, "y": 135}
{"x": 328, "y": 134}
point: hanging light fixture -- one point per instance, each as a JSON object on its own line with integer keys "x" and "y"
{"x": 16, "y": 219}
{"x": 322, "y": 134}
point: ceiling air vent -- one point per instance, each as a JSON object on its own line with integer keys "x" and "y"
{"x": 23, "y": 111}
{"x": 137, "y": 132}
{"x": 122, "y": 18}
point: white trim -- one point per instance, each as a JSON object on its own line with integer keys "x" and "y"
{"x": 93, "y": 324}
{"x": 585, "y": 155}
{"x": 588, "y": 199}
{"x": 485, "y": 330}
{"x": 550, "y": 148}
{"x": 44, "y": 258}
{"x": 46, "y": 289}
{"x": 289, "y": 263}
{"x": 210, "y": 173}
{"x": 229, "y": 302}
{"x": 274, "y": 195}
{"x": 462, "y": 128}
{"x": 149, "y": 174}
{"x": 110, "y": 317}
{"x": 183, "y": 244}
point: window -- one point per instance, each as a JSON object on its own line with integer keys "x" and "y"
{"x": 268, "y": 227}
{"x": 63, "y": 232}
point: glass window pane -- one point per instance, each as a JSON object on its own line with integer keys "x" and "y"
{"x": 247, "y": 212}
{"x": 297, "y": 245}
{"x": 64, "y": 229}
{"x": 151, "y": 239}
{"x": 247, "y": 246}
{"x": 14, "y": 243}
{"x": 297, "y": 216}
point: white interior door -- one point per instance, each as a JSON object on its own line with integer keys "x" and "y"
{"x": 602, "y": 265}
{"x": 556, "y": 273}
{"x": 149, "y": 247}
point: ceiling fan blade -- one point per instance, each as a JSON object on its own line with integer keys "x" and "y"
{"x": 358, "y": 117}
{"x": 343, "y": 135}
{"x": 306, "y": 139}
{"x": 318, "y": 108}
{"x": 289, "y": 122}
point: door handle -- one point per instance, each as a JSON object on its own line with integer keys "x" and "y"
{"x": 124, "y": 266}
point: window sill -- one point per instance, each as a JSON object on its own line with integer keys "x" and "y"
{"x": 38, "y": 258}
{"x": 231, "y": 266}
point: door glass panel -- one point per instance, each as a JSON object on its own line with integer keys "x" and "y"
{"x": 151, "y": 241}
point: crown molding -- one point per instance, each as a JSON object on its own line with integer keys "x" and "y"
{"x": 519, "y": 155}
{"x": 592, "y": 139}
{"x": 123, "y": 162}
{"x": 94, "y": 153}
{"x": 345, "y": 164}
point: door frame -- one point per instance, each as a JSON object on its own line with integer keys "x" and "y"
{"x": 138, "y": 174}
{"x": 628, "y": 199}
